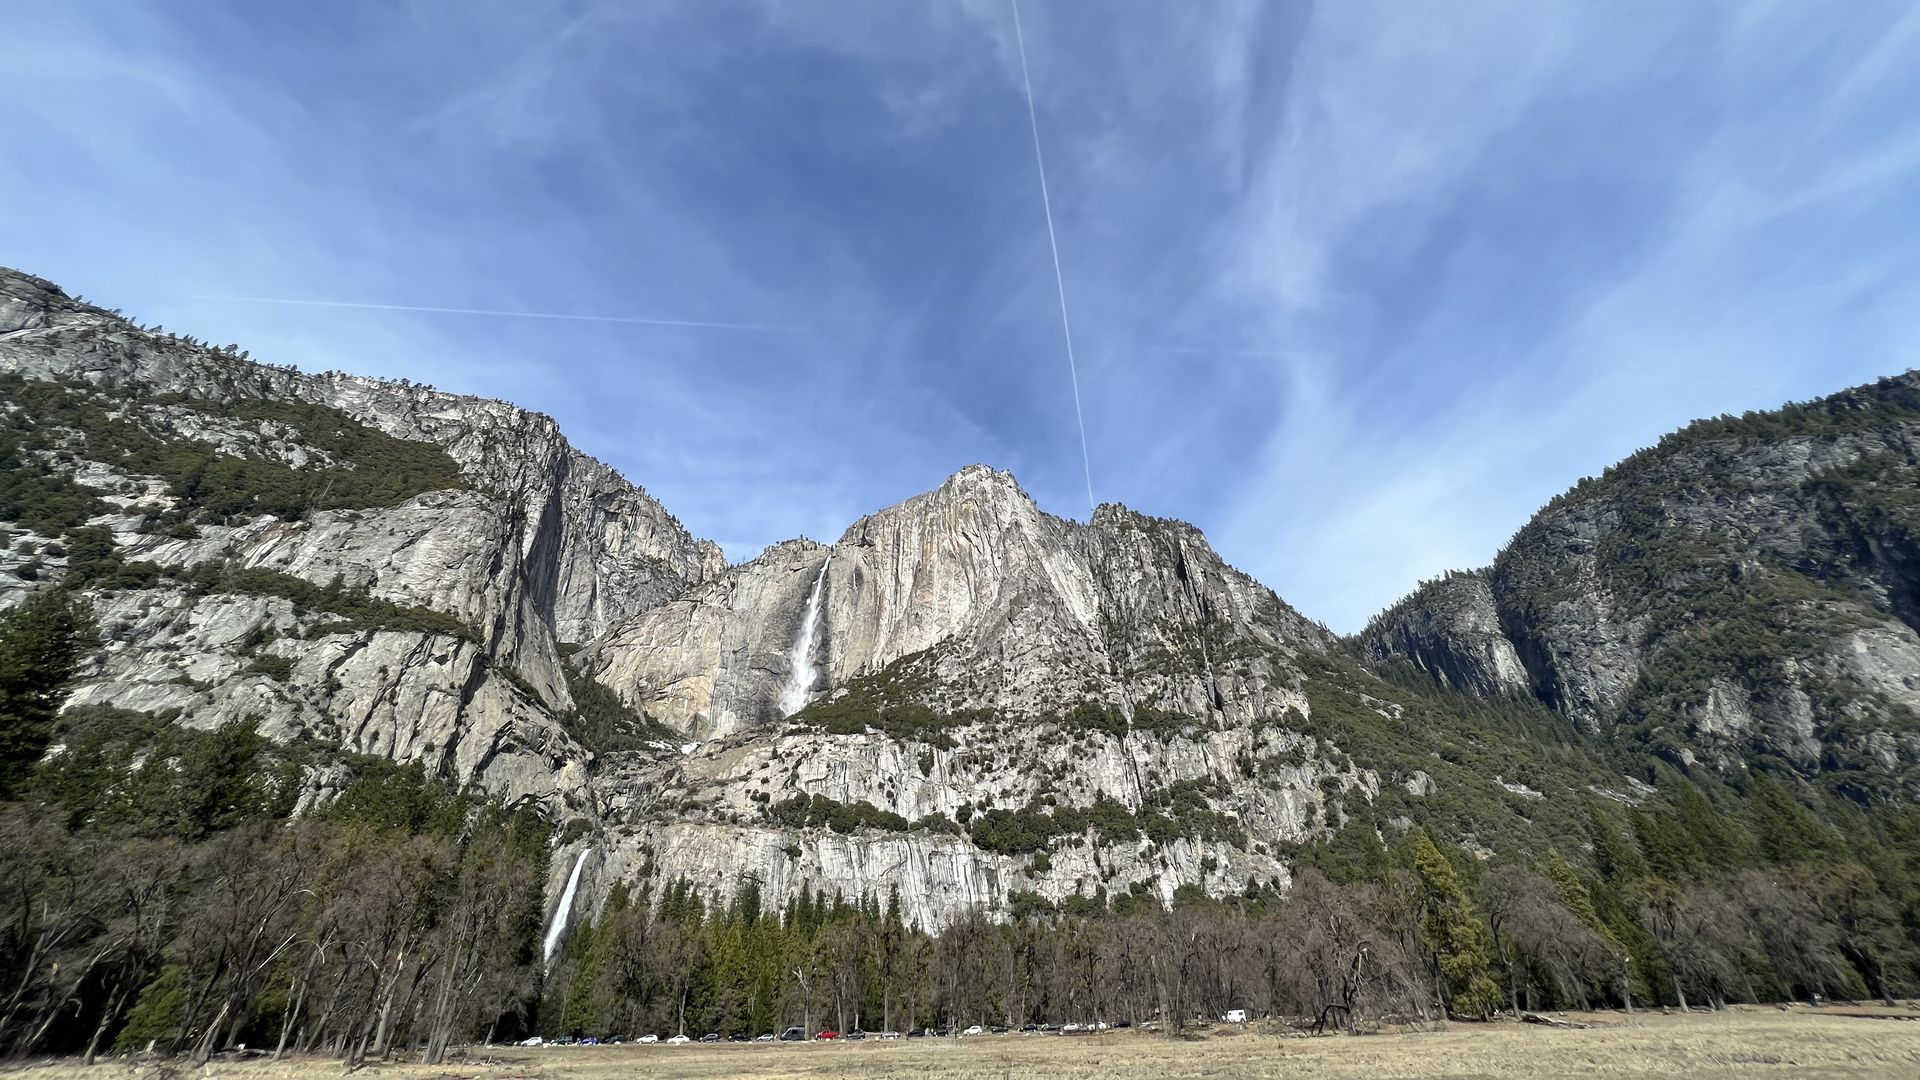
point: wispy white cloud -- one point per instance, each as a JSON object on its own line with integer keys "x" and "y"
{"x": 1354, "y": 286}
{"x": 1730, "y": 301}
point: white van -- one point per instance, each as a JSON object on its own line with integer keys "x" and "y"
{"x": 1235, "y": 1016}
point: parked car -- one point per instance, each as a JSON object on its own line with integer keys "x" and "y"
{"x": 827, "y": 1033}
{"x": 997, "y": 1029}
{"x": 711, "y": 1036}
{"x": 768, "y": 1037}
{"x": 794, "y": 1034}
{"x": 535, "y": 1041}
{"x": 1028, "y": 1029}
{"x": 648, "y": 1039}
{"x": 678, "y": 1039}
{"x": 889, "y": 1035}
{"x": 856, "y": 1034}
{"x": 1068, "y": 1029}
{"x": 1235, "y": 1016}
{"x": 591, "y": 1040}
{"x": 974, "y": 1029}
{"x": 1097, "y": 1025}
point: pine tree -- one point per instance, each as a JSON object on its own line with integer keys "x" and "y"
{"x": 1573, "y": 893}
{"x": 41, "y": 642}
{"x": 1787, "y": 831}
{"x": 1456, "y": 935}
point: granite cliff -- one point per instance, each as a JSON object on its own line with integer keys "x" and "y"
{"x": 963, "y": 702}
{"x": 1746, "y": 592}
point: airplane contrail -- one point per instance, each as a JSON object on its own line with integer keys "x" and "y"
{"x": 506, "y": 314}
{"x": 1053, "y": 244}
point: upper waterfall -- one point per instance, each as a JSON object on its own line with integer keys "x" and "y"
{"x": 794, "y": 697}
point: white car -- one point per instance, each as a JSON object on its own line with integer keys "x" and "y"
{"x": 1100, "y": 1025}
{"x": 678, "y": 1039}
{"x": 889, "y": 1034}
{"x": 1069, "y": 1027}
{"x": 976, "y": 1029}
{"x": 535, "y": 1041}
{"x": 648, "y": 1039}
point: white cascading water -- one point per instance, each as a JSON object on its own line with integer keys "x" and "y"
{"x": 559, "y": 924}
{"x": 794, "y": 697}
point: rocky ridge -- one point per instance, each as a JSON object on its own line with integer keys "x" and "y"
{"x": 1744, "y": 592}
{"x": 1007, "y": 707}
{"x": 540, "y": 545}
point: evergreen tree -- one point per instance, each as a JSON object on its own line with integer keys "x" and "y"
{"x": 1455, "y": 934}
{"x": 41, "y": 643}
{"x": 1573, "y": 893}
{"x": 1787, "y": 831}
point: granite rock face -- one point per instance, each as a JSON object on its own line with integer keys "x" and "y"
{"x": 1023, "y": 612}
{"x": 1748, "y": 589}
{"x": 543, "y": 545}
{"x": 472, "y": 604}
{"x": 1450, "y": 629}
{"x": 962, "y": 700}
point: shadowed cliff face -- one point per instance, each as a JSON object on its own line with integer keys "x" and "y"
{"x": 1450, "y": 629}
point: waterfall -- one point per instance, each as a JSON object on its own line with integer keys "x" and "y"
{"x": 794, "y": 697}
{"x": 559, "y": 924}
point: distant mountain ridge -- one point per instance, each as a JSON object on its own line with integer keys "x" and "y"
{"x": 1007, "y": 707}
{"x": 1747, "y": 590}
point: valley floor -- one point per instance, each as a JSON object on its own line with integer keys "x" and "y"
{"x": 1741, "y": 1042}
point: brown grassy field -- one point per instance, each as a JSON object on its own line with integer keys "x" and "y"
{"x": 1867, "y": 1042}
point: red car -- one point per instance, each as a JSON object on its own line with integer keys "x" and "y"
{"x": 827, "y": 1035}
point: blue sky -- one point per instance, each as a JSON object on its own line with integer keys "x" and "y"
{"x": 1356, "y": 286}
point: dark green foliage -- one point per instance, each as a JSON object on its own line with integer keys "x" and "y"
{"x": 1014, "y": 832}
{"x": 359, "y": 611}
{"x": 144, "y": 775}
{"x": 1184, "y": 809}
{"x": 1786, "y": 830}
{"x": 94, "y": 562}
{"x": 41, "y": 643}
{"x": 387, "y": 796}
{"x": 277, "y": 668}
{"x": 1033, "y": 827}
{"x": 1398, "y": 723}
{"x": 813, "y": 811}
{"x": 35, "y": 494}
{"x": 1096, "y": 716}
{"x": 156, "y": 1013}
{"x": 890, "y": 701}
{"x": 602, "y": 722}
{"x": 1455, "y": 934}
{"x": 375, "y": 468}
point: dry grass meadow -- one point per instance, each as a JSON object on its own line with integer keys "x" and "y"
{"x": 1803, "y": 1042}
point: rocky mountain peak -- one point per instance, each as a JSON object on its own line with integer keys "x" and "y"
{"x": 962, "y": 697}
